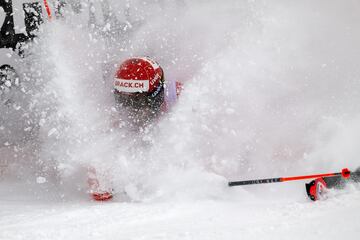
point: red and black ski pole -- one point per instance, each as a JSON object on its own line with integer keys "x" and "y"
{"x": 345, "y": 173}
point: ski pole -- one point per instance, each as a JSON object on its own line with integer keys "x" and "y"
{"x": 345, "y": 173}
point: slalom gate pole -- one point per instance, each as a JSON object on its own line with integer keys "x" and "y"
{"x": 345, "y": 173}
{"x": 48, "y": 11}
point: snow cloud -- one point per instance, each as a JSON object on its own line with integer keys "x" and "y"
{"x": 271, "y": 88}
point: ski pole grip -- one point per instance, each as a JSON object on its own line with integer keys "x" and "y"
{"x": 251, "y": 182}
{"x": 345, "y": 173}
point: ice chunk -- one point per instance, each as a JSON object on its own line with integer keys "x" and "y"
{"x": 52, "y": 131}
{"x": 40, "y": 180}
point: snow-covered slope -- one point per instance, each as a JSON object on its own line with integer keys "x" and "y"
{"x": 233, "y": 217}
{"x": 271, "y": 89}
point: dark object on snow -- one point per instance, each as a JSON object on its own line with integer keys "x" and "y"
{"x": 8, "y": 80}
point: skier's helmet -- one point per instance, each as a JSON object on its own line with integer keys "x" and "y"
{"x": 139, "y": 83}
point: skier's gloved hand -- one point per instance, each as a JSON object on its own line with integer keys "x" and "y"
{"x": 316, "y": 189}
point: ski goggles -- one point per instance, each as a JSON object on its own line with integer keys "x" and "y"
{"x": 139, "y": 100}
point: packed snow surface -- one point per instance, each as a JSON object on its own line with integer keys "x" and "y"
{"x": 233, "y": 217}
{"x": 271, "y": 89}
{"x": 189, "y": 220}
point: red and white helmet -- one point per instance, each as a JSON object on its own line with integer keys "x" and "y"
{"x": 139, "y": 75}
{"x": 139, "y": 82}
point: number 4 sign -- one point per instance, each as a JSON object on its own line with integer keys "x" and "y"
{"x": 19, "y": 20}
